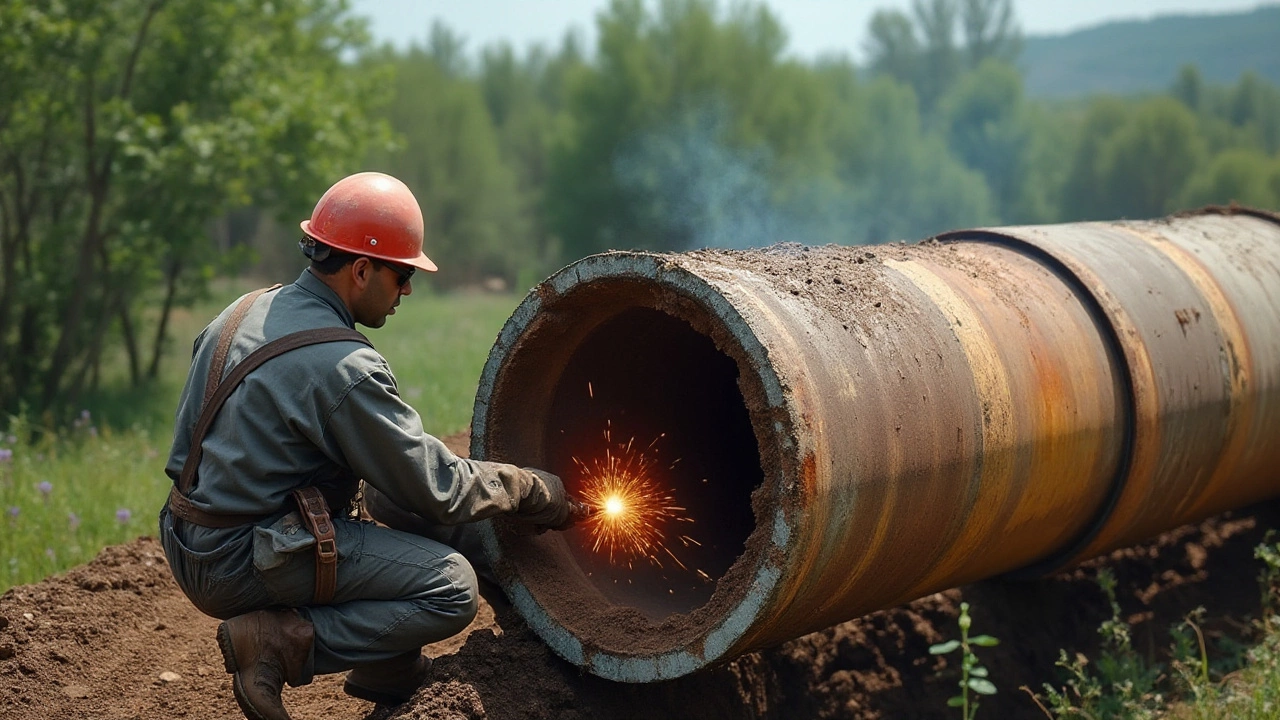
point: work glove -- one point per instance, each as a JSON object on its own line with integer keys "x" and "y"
{"x": 546, "y": 506}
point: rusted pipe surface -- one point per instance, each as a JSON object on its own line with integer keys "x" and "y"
{"x": 859, "y": 426}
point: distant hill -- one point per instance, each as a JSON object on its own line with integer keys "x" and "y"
{"x": 1138, "y": 56}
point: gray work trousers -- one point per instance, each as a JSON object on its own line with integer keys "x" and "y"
{"x": 395, "y": 591}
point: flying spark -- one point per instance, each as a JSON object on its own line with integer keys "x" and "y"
{"x": 632, "y": 508}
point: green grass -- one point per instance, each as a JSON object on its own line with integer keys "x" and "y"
{"x": 67, "y": 496}
{"x": 72, "y": 491}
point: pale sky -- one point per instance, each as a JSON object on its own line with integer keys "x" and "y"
{"x": 814, "y": 26}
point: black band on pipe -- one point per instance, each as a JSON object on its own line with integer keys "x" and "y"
{"x": 1233, "y": 210}
{"x": 1060, "y": 559}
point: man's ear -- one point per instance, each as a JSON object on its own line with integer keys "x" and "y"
{"x": 361, "y": 272}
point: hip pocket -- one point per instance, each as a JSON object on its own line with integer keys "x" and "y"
{"x": 279, "y": 542}
{"x": 220, "y": 581}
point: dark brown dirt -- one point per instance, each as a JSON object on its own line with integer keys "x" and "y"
{"x": 879, "y": 666}
{"x": 95, "y": 641}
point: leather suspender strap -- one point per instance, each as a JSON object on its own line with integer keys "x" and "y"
{"x": 315, "y": 513}
{"x": 311, "y": 503}
{"x": 179, "y": 505}
{"x": 273, "y": 349}
{"x": 216, "y": 393}
{"x": 224, "y": 342}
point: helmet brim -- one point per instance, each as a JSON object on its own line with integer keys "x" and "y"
{"x": 422, "y": 262}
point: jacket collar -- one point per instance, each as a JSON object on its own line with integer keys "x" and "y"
{"x": 315, "y": 286}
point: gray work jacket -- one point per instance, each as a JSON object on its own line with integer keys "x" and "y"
{"x": 318, "y": 412}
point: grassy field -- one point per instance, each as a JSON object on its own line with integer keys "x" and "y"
{"x": 102, "y": 480}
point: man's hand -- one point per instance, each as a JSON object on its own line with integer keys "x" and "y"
{"x": 578, "y": 512}
{"x": 548, "y": 506}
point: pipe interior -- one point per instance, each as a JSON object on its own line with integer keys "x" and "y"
{"x": 648, "y": 380}
{"x": 648, "y": 361}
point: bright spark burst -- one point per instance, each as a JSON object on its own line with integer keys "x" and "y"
{"x": 632, "y": 509}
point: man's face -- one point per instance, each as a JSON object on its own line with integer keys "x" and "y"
{"x": 384, "y": 284}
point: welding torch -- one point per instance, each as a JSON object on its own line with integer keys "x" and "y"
{"x": 580, "y": 511}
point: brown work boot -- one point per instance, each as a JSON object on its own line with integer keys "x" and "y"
{"x": 264, "y": 650}
{"x": 389, "y": 682}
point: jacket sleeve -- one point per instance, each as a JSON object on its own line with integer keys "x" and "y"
{"x": 382, "y": 440}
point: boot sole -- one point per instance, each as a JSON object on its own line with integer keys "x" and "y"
{"x": 228, "y": 652}
{"x": 232, "y": 668}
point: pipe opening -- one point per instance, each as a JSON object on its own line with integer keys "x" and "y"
{"x": 656, "y": 368}
{"x": 669, "y": 401}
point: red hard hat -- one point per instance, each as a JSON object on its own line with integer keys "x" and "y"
{"x": 371, "y": 214}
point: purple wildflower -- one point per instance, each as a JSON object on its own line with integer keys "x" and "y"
{"x": 6, "y": 454}
{"x": 13, "y": 512}
{"x": 73, "y": 521}
{"x": 45, "y": 487}
{"x": 123, "y": 515}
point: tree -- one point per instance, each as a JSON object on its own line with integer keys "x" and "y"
{"x": 1235, "y": 176}
{"x": 939, "y": 63}
{"x": 1150, "y": 159}
{"x": 664, "y": 73}
{"x": 898, "y": 180}
{"x": 989, "y": 127}
{"x": 1085, "y": 195}
{"x": 990, "y": 31}
{"x": 1254, "y": 104}
{"x": 448, "y": 49}
{"x": 1189, "y": 88}
{"x": 126, "y": 127}
{"x": 526, "y": 99}
{"x": 922, "y": 49}
{"x": 1133, "y": 162}
{"x": 892, "y": 46}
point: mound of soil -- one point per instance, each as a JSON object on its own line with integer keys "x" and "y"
{"x": 879, "y": 666}
{"x": 117, "y": 639}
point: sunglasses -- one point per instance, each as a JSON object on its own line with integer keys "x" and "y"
{"x": 403, "y": 272}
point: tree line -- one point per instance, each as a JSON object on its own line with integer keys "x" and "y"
{"x": 131, "y": 129}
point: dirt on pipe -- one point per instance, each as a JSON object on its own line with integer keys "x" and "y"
{"x": 116, "y": 639}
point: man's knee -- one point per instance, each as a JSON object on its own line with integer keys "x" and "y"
{"x": 455, "y": 608}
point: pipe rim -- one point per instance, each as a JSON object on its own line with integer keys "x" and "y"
{"x": 771, "y": 537}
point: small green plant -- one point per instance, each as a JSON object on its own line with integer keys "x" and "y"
{"x": 1123, "y": 683}
{"x": 1269, "y": 578}
{"x": 1238, "y": 682}
{"x": 973, "y": 676}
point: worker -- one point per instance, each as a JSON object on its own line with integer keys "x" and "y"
{"x": 285, "y": 409}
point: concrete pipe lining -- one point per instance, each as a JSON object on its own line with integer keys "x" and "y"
{"x": 875, "y": 424}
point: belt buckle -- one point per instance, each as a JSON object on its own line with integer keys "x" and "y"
{"x": 326, "y": 549}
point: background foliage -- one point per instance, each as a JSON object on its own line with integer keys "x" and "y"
{"x": 126, "y": 127}
{"x": 147, "y": 146}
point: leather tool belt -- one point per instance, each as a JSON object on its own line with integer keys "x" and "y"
{"x": 311, "y": 503}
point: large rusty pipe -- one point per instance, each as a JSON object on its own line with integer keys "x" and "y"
{"x": 860, "y": 426}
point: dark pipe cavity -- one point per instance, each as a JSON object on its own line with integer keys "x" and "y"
{"x": 665, "y": 389}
